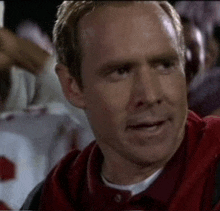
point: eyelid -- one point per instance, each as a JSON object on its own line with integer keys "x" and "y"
{"x": 114, "y": 75}
{"x": 164, "y": 58}
{"x": 113, "y": 68}
{"x": 169, "y": 62}
{"x": 166, "y": 66}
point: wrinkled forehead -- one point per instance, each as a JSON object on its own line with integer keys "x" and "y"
{"x": 109, "y": 11}
{"x": 154, "y": 5}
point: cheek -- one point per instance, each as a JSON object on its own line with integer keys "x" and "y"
{"x": 175, "y": 89}
{"x": 177, "y": 98}
{"x": 107, "y": 102}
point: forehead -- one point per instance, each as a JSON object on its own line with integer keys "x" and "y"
{"x": 113, "y": 12}
{"x": 131, "y": 26}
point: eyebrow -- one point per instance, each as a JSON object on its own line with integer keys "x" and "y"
{"x": 174, "y": 56}
{"x": 164, "y": 57}
{"x": 116, "y": 64}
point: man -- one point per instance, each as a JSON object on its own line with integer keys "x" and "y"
{"x": 123, "y": 63}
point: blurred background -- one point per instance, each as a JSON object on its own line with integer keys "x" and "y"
{"x": 41, "y": 12}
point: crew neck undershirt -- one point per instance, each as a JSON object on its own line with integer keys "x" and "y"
{"x": 134, "y": 188}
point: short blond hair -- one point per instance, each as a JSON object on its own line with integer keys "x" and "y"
{"x": 65, "y": 32}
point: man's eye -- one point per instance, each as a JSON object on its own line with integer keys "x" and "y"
{"x": 166, "y": 67}
{"x": 119, "y": 73}
{"x": 122, "y": 70}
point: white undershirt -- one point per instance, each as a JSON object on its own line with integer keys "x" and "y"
{"x": 134, "y": 188}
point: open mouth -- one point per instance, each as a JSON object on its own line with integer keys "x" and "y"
{"x": 146, "y": 126}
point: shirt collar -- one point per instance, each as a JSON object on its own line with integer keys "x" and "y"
{"x": 161, "y": 190}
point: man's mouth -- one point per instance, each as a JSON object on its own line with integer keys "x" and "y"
{"x": 148, "y": 126}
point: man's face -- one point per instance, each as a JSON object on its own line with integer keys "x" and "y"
{"x": 134, "y": 85}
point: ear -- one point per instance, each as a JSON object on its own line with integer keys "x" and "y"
{"x": 70, "y": 87}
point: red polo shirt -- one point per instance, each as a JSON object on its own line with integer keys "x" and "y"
{"x": 186, "y": 183}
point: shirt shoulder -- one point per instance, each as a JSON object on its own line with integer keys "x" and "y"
{"x": 209, "y": 122}
{"x": 203, "y": 133}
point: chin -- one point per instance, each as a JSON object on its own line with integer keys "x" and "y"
{"x": 151, "y": 153}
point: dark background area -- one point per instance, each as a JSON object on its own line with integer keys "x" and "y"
{"x": 39, "y": 11}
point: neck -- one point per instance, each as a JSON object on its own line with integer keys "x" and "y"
{"x": 119, "y": 170}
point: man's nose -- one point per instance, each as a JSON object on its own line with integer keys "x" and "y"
{"x": 147, "y": 89}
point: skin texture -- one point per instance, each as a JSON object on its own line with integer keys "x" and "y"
{"x": 132, "y": 78}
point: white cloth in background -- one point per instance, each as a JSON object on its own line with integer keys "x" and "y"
{"x": 28, "y": 90}
{"x": 34, "y": 140}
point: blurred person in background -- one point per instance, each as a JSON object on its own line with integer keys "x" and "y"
{"x": 27, "y": 72}
{"x": 37, "y": 124}
{"x": 32, "y": 141}
{"x": 203, "y": 72}
{"x": 198, "y": 19}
